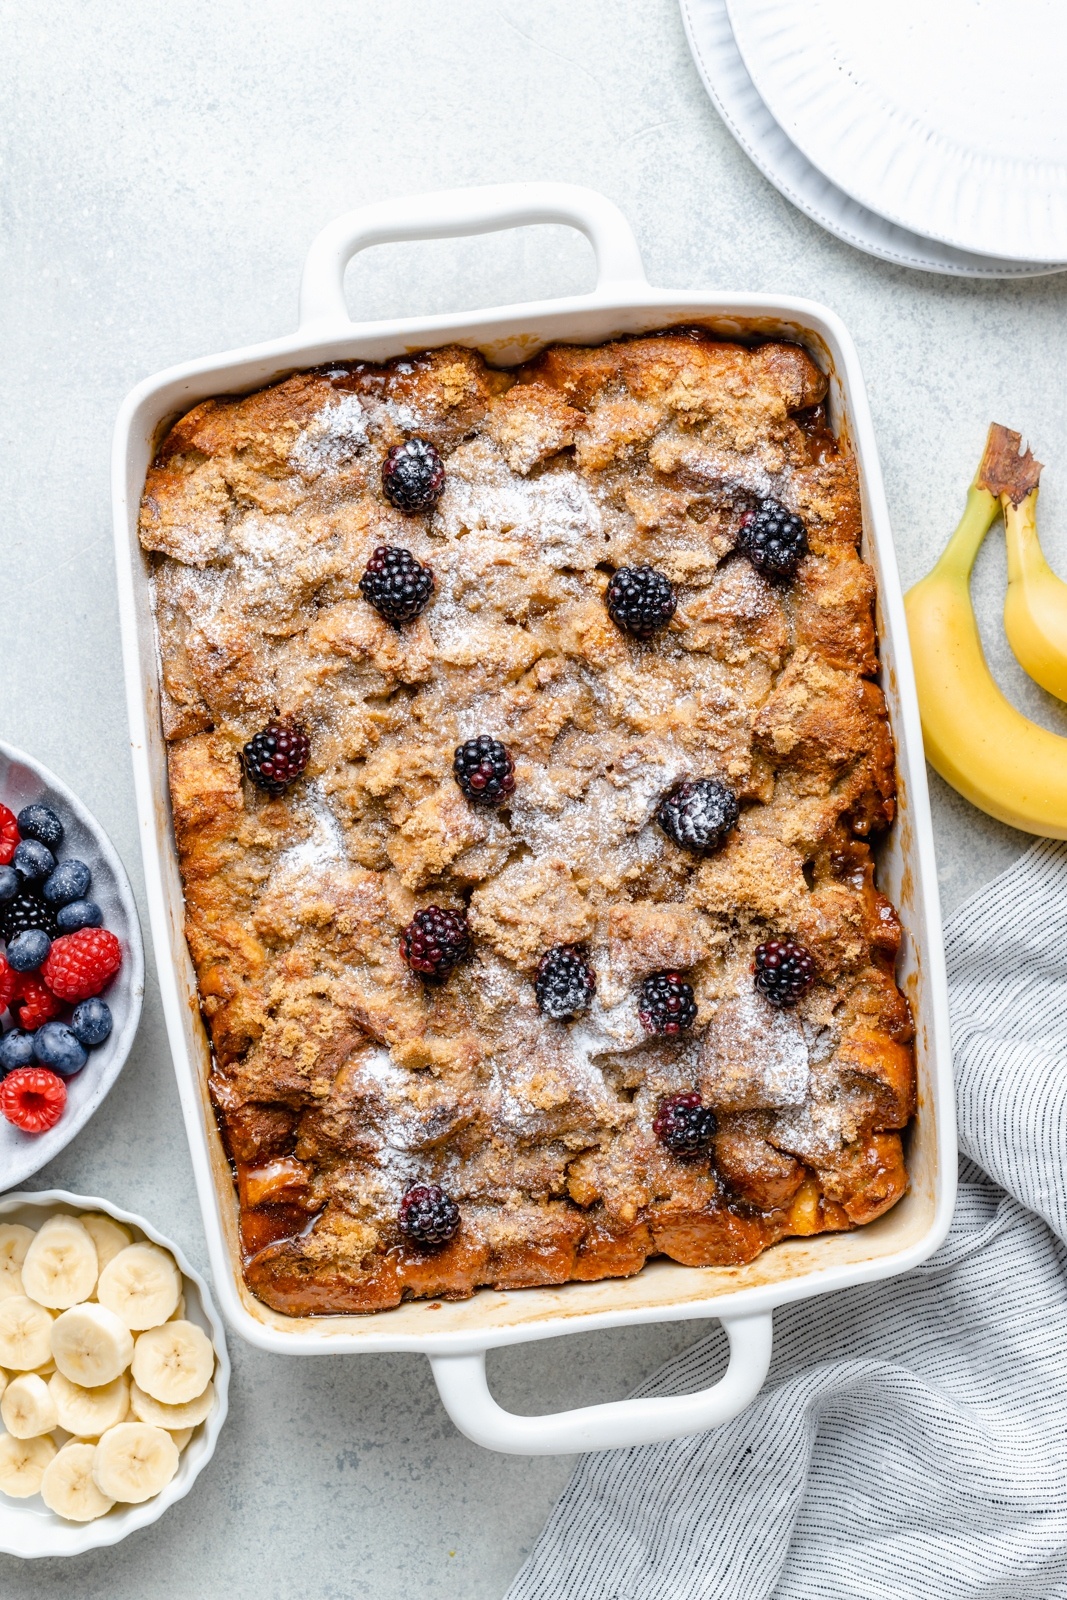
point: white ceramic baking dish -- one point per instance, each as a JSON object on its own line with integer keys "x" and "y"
{"x": 456, "y": 1336}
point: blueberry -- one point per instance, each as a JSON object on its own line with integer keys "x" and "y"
{"x": 55, "y": 1046}
{"x": 79, "y": 914}
{"x": 40, "y": 822}
{"x": 32, "y": 859}
{"x": 10, "y": 883}
{"x": 16, "y": 1050}
{"x": 68, "y": 882}
{"x": 27, "y": 950}
{"x": 91, "y": 1022}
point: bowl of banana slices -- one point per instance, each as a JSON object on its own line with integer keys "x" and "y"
{"x": 113, "y": 1374}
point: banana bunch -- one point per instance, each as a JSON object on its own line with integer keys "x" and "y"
{"x": 998, "y": 759}
{"x": 102, "y": 1376}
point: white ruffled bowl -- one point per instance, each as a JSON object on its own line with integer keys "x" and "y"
{"x": 24, "y": 781}
{"x": 27, "y": 1527}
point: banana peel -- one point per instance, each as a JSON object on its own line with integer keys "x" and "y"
{"x": 1035, "y": 606}
{"x": 995, "y": 757}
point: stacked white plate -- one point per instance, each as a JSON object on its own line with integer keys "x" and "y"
{"x": 932, "y": 133}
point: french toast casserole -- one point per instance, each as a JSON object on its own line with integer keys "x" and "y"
{"x": 525, "y": 756}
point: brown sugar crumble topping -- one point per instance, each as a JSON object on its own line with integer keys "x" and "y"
{"x": 591, "y": 806}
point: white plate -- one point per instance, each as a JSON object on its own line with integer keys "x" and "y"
{"x": 738, "y": 103}
{"x": 27, "y": 1527}
{"x": 22, "y": 781}
{"x": 947, "y": 118}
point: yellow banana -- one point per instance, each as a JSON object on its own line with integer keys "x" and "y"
{"x": 1035, "y": 606}
{"x": 974, "y": 737}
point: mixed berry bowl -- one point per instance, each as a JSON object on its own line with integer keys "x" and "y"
{"x": 70, "y": 989}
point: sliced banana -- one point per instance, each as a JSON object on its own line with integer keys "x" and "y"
{"x": 91, "y": 1345}
{"x": 4, "y": 1380}
{"x": 68, "y": 1487}
{"x": 108, "y": 1236}
{"x": 15, "y": 1240}
{"x": 134, "y": 1461}
{"x": 178, "y": 1314}
{"x": 141, "y": 1285}
{"x": 25, "y": 1334}
{"x": 22, "y": 1464}
{"x": 172, "y": 1417}
{"x": 181, "y": 1437}
{"x": 60, "y": 1268}
{"x": 174, "y": 1362}
{"x": 87, "y": 1413}
{"x": 28, "y": 1408}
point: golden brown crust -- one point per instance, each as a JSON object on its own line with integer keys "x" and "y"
{"x": 338, "y": 1078}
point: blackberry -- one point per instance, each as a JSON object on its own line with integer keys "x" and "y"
{"x": 666, "y": 1004}
{"x": 484, "y": 770}
{"x": 413, "y": 475}
{"x": 698, "y": 814}
{"x": 565, "y": 982}
{"x": 428, "y": 1216}
{"x": 395, "y": 584}
{"x": 24, "y": 912}
{"x": 276, "y": 757}
{"x": 434, "y": 942}
{"x": 640, "y": 600}
{"x": 684, "y": 1124}
{"x": 774, "y": 539}
{"x": 784, "y": 971}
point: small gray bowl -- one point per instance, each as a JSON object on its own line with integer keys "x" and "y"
{"x": 23, "y": 781}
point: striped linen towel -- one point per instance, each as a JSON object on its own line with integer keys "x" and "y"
{"x": 911, "y": 1440}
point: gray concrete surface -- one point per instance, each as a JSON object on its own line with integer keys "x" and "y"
{"x": 162, "y": 170}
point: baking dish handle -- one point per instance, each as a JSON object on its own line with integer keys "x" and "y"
{"x": 451, "y": 212}
{"x": 620, "y": 1424}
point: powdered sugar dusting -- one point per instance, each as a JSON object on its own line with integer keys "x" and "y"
{"x": 331, "y": 439}
{"x": 555, "y": 508}
{"x": 324, "y": 847}
{"x": 835, "y": 1115}
{"x": 754, "y": 1056}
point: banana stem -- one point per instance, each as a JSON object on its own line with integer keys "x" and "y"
{"x": 979, "y": 514}
{"x": 1024, "y": 546}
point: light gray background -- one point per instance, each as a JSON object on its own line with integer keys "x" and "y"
{"x": 164, "y": 168}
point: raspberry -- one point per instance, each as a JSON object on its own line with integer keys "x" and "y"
{"x": 640, "y": 600}
{"x": 413, "y": 475}
{"x": 774, "y": 540}
{"x": 698, "y": 815}
{"x": 32, "y": 1099}
{"x": 428, "y": 1216}
{"x": 666, "y": 1004}
{"x": 784, "y": 971}
{"x": 565, "y": 982}
{"x": 81, "y": 964}
{"x": 684, "y": 1124}
{"x": 275, "y": 757}
{"x": 33, "y": 1003}
{"x": 27, "y": 910}
{"x": 434, "y": 942}
{"x": 9, "y": 835}
{"x": 395, "y": 584}
{"x": 8, "y": 984}
{"x": 484, "y": 770}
